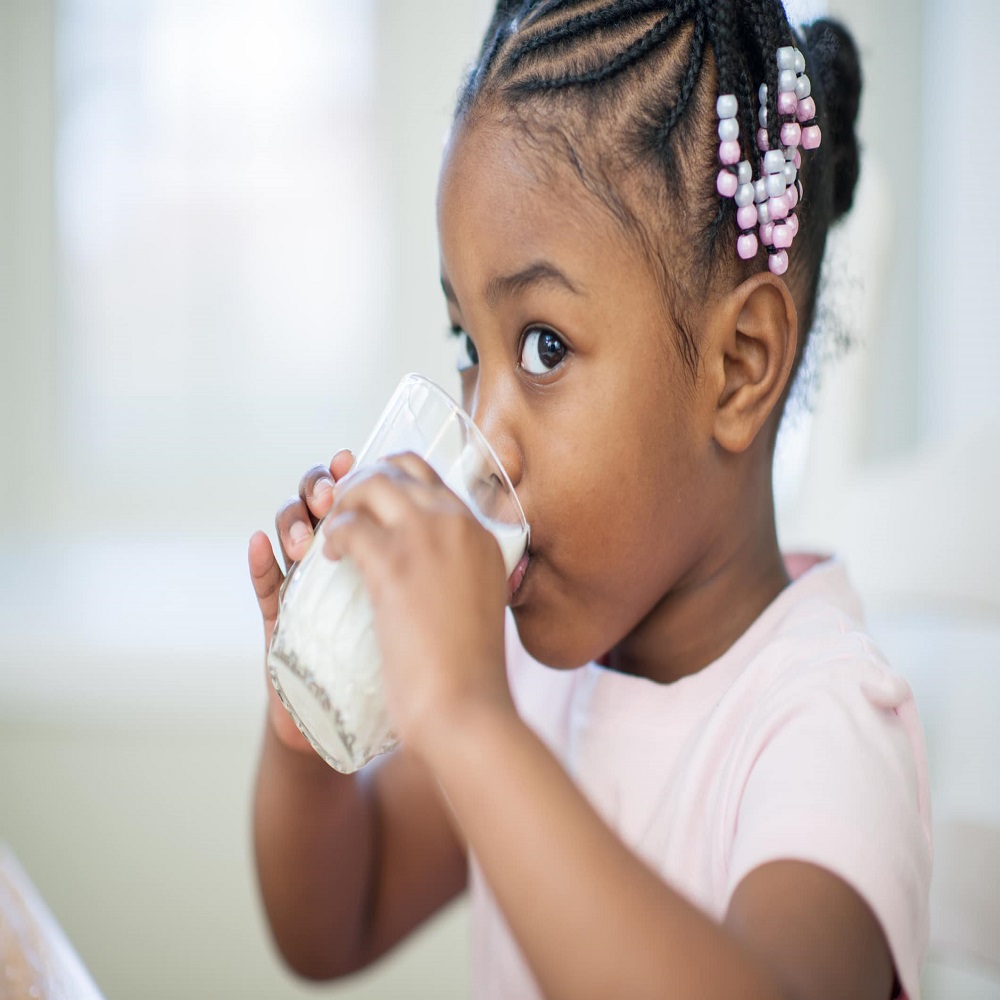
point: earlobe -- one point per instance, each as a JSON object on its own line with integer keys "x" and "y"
{"x": 755, "y": 344}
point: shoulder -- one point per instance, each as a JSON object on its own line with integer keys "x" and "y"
{"x": 831, "y": 767}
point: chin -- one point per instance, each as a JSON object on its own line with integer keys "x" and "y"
{"x": 556, "y": 647}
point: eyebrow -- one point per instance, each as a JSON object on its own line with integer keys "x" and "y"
{"x": 504, "y": 286}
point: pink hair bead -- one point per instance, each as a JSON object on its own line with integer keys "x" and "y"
{"x": 783, "y": 237}
{"x": 726, "y": 184}
{"x": 746, "y": 246}
{"x": 746, "y": 217}
{"x": 763, "y": 140}
{"x": 811, "y": 137}
{"x": 787, "y": 102}
{"x": 729, "y": 153}
{"x": 793, "y": 223}
{"x": 778, "y": 262}
{"x": 797, "y": 160}
{"x": 779, "y": 207}
{"x": 792, "y": 194}
{"x": 791, "y": 134}
{"x": 807, "y": 110}
{"x": 767, "y": 233}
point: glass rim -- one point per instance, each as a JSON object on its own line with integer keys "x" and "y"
{"x": 415, "y": 378}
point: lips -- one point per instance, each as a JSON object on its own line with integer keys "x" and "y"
{"x": 517, "y": 577}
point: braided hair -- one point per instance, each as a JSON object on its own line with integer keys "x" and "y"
{"x": 625, "y": 91}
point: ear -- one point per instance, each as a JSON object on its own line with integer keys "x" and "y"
{"x": 754, "y": 335}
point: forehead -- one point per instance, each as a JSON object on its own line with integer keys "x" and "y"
{"x": 501, "y": 203}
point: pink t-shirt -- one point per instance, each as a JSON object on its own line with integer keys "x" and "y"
{"x": 797, "y": 743}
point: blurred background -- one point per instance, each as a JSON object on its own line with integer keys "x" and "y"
{"x": 218, "y": 256}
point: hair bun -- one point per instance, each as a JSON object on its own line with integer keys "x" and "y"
{"x": 833, "y": 61}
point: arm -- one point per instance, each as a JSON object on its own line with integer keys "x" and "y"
{"x": 347, "y": 864}
{"x": 594, "y": 921}
{"x": 590, "y": 917}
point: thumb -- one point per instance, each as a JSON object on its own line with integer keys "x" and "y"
{"x": 266, "y": 575}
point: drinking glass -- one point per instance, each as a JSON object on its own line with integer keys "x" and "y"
{"x": 324, "y": 659}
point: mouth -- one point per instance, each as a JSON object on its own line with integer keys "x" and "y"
{"x": 517, "y": 578}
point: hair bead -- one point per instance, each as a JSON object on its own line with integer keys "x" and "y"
{"x": 791, "y": 134}
{"x": 775, "y": 184}
{"x": 744, "y": 195}
{"x": 746, "y": 246}
{"x": 783, "y": 236}
{"x": 726, "y": 184}
{"x": 779, "y": 207}
{"x": 786, "y": 58}
{"x": 746, "y": 217}
{"x": 778, "y": 262}
{"x": 811, "y": 137}
{"x": 726, "y": 106}
{"x": 787, "y": 102}
{"x": 729, "y": 129}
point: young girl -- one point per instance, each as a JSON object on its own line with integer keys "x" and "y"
{"x": 678, "y": 766}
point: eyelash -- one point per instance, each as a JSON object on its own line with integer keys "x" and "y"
{"x": 470, "y": 358}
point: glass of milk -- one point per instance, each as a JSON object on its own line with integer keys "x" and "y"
{"x": 323, "y": 659}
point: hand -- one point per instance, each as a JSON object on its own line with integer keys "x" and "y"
{"x": 295, "y": 522}
{"x": 438, "y": 589}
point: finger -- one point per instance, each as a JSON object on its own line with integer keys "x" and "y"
{"x": 383, "y": 493}
{"x": 415, "y": 467}
{"x": 316, "y": 492}
{"x": 357, "y": 535}
{"x": 341, "y": 464}
{"x": 266, "y": 575}
{"x": 295, "y": 526}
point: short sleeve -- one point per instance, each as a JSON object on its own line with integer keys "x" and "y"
{"x": 838, "y": 778}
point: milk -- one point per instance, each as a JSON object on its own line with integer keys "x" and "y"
{"x": 324, "y": 660}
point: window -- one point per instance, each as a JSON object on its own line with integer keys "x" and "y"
{"x": 218, "y": 243}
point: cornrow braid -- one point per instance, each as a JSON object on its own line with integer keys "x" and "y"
{"x": 635, "y": 52}
{"x": 687, "y": 83}
{"x": 581, "y": 23}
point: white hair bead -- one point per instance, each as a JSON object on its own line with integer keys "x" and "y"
{"x": 762, "y": 116}
{"x": 800, "y": 62}
{"x": 775, "y": 183}
{"x": 803, "y": 88}
{"x": 786, "y": 57}
{"x": 729, "y": 129}
{"x": 762, "y": 93}
{"x": 791, "y": 174}
{"x": 744, "y": 172}
{"x": 786, "y": 81}
{"x": 763, "y": 213}
{"x": 774, "y": 161}
{"x": 744, "y": 195}
{"x": 760, "y": 190}
{"x": 726, "y": 106}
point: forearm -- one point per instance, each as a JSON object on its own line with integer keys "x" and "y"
{"x": 314, "y": 842}
{"x": 590, "y": 917}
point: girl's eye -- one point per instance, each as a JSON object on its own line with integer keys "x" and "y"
{"x": 541, "y": 351}
{"x": 467, "y": 356}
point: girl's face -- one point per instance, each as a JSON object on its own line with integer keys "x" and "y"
{"x": 571, "y": 369}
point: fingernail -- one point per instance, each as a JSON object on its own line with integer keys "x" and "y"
{"x": 298, "y": 533}
{"x": 323, "y": 486}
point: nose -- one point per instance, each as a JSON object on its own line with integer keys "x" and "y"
{"x": 493, "y": 413}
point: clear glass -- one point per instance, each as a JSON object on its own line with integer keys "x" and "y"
{"x": 324, "y": 659}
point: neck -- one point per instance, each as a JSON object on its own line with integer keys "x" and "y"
{"x": 701, "y": 617}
